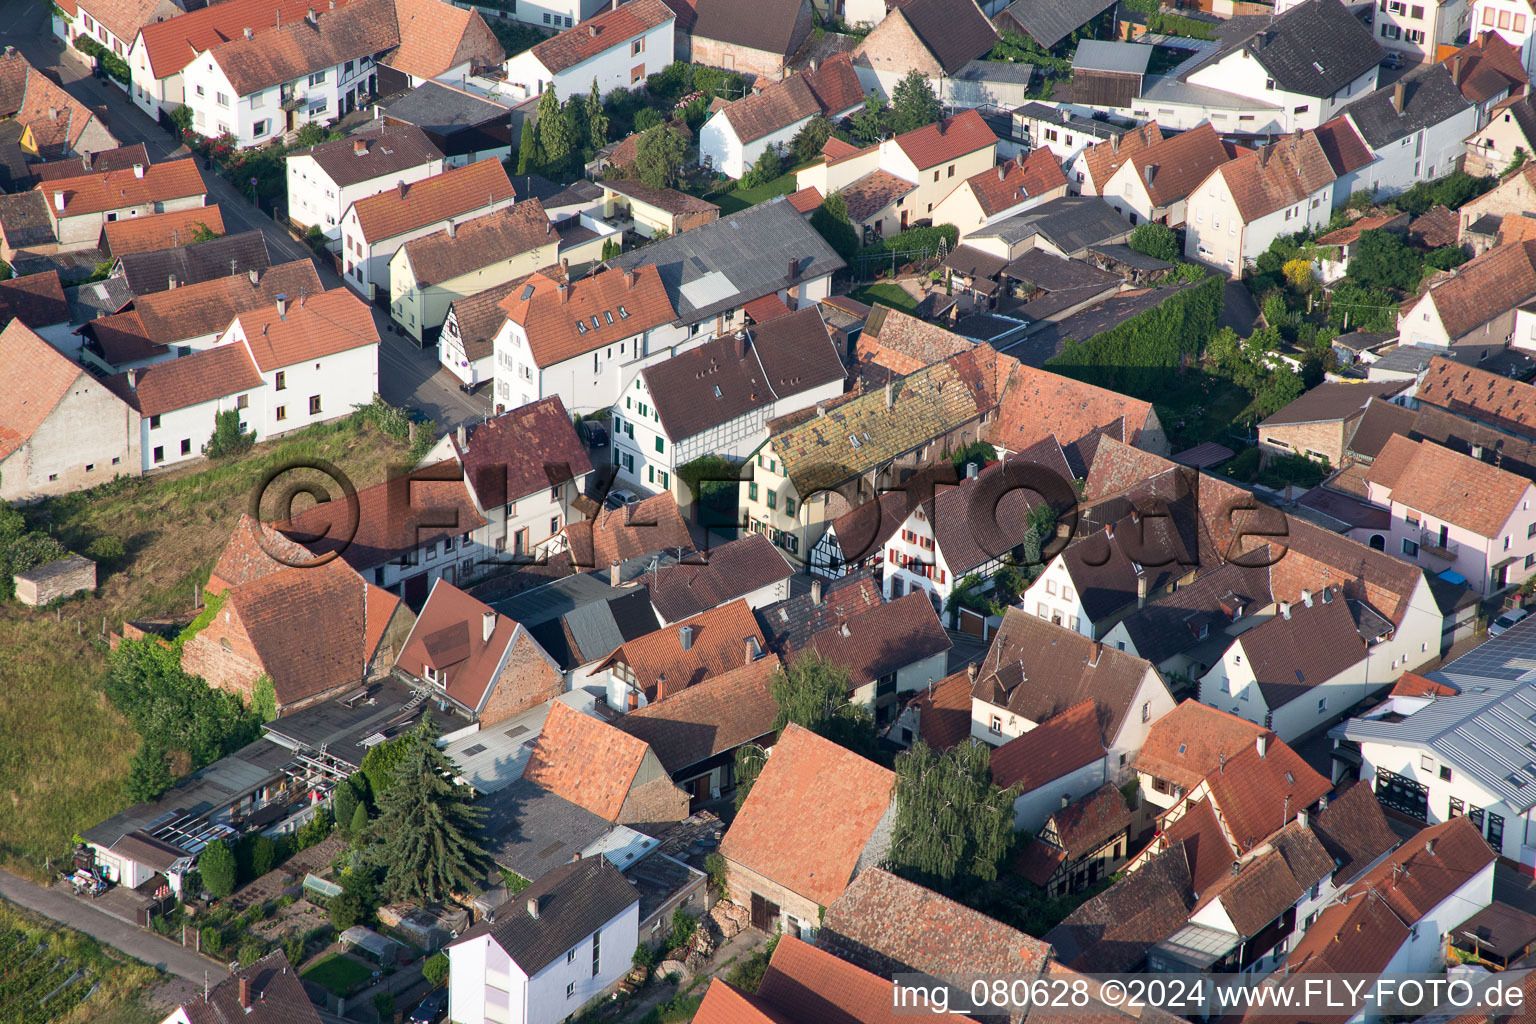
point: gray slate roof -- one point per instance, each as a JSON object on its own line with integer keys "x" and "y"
{"x": 575, "y": 900}
{"x": 584, "y": 611}
{"x": 1048, "y": 22}
{"x": 533, "y": 831}
{"x": 1101, "y": 55}
{"x": 438, "y": 108}
{"x": 1314, "y": 49}
{"x": 731, "y": 261}
{"x": 148, "y": 272}
{"x": 1071, "y": 223}
{"x": 98, "y": 299}
{"x": 1430, "y": 98}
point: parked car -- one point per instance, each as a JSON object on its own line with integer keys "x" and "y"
{"x": 618, "y": 499}
{"x": 1393, "y": 60}
{"x": 1505, "y": 621}
{"x": 592, "y": 433}
{"x": 431, "y": 1009}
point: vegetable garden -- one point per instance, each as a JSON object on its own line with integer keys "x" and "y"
{"x": 48, "y": 974}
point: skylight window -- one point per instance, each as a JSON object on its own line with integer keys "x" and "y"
{"x": 1183, "y": 747}
{"x": 581, "y": 328}
{"x": 595, "y": 323}
{"x": 527, "y": 292}
{"x": 1318, "y": 66}
{"x": 853, "y": 440}
{"x": 717, "y": 392}
{"x": 1517, "y": 780}
{"x": 623, "y": 313}
{"x": 1289, "y": 778}
{"x": 608, "y": 316}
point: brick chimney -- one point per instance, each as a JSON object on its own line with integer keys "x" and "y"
{"x": 401, "y": 187}
{"x": 245, "y": 992}
{"x": 1399, "y": 95}
{"x": 739, "y": 343}
{"x": 629, "y": 280}
{"x": 360, "y": 147}
{"x": 794, "y": 269}
{"x": 565, "y": 293}
{"x": 971, "y": 671}
{"x": 614, "y": 578}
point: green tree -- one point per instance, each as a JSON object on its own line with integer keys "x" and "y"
{"x": 611, "y": 248}
{"x": 597, "y": 118}
{"x": 574, "y": 114}
{"x": 218, "y": 867}
{"x": 953, "y": 824}
{"x": 768, "y": 166}
{"x": 201, "y": 232}
{"x": 149, "y": 775}
{"x": 423, "y": 839}
{"x": 435, "y": 970}
{"x": 1382, "y": 259}
{"x": 263, "y": 855}
{"x": 554, "y": 133}
{"x": 647, "y": 118}
{"x": 181, "y": 119}
{"x": 869, "y": 124}
{"x": 659, "y": 154}
{"x": 343, "y": 802}
{"x": 358, "y": 820}
{"x": 830, "y": 220}
{"x": 228, "y": 438}
{"x": 357, "y": 900}
{"x": 264, "y": 699}
{"x": 808, "y": 141}
{"x": 1447, "y": 257}
{"x": 530, "y": 155}
{"x": 913, "y": 103}
{"x": 1155, "y": 240}
{"x": 380, "y": 765}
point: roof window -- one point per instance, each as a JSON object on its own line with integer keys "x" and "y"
{"x": 623, "y": 313}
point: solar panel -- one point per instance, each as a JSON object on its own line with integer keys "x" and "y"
{"x": 478, "y": 748}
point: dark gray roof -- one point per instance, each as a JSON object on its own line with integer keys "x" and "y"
{"x": 1430, "y": 98}
{"x": 1173, "y": 622}
{"x": 1103, "y": 55}
{"x": 1036, "y": 348}
{"x": 1049, "y": 272}
{"x": 25, "y": 221}
{"x": 581, "y": 618}
{"x": 577, "y": 192}
{"x": 148, "y": 272}
{"x": 532, "y": 831}
{"x": 1048, "y": 22}
{"x": 1071, "y": 223}
{"x": 387, "y": 149}
{"x": 955, "y": 31}
{"x": 341, "y": 725}
{"x": 1406, "y": 358}
{"x": 574, "y": 900}
{"x": 1014, "y": 72}
{"x": 1125, "y": 255}
{"x": 444, "y": 110}
{"x": 98, "y": 299}
{"x": 987, "y": 327}
{"x": 770, "y": 25}
{"x": 731, "y": 261}
{"x": 1314, "y": 49}
{"x": 1066, "y": 119}
{"x": 536, "y": 186}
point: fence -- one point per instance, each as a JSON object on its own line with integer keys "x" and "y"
{"x": 865, "y": 265}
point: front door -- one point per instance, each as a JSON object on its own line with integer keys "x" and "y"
{"x": 765, "y": 914}
{"x": 904, "y": 219}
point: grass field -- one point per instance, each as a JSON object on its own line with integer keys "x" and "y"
{"x": 66, "y": 749}
{"x": 734, "y": 202}
{"x": 892, "y": 295}
{"x": 338, "y": 973}
{"x": 53, "y": 974}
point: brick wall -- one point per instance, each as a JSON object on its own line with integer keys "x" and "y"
{"x": 223, "y": 655}
{"x": 741, "y": 882}
{"x": 714, "y": 53}
{"x": 1326, "y": 437}
{"x": 527, "y": 680}
{"x": 658, "y": 800}
{"x": 893, "y": 47}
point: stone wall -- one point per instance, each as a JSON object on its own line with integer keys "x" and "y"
{"x": 47, "y": 583}
{"x": 527, "y": 680}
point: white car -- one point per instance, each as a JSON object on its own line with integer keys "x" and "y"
{"x": 1505, "y": 621}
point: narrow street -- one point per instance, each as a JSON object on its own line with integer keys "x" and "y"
{"x": 408, "y": 376}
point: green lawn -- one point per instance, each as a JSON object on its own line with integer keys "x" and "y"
{"x": 1202, "y": 407}
{"x": 742, "y": 198}
{"x": 891, "y": 295}
{"x": 338, "y": 973}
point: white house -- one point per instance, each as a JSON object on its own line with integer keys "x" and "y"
{"x": 316, "y": 69}
{"x": 545, "y": 954}
{"x": 992, "y": 195}
{"x": 114, "y": 25}
{"x": 617, "y": 49}
{"x": 1418, "y": 30}
{"x": 1153, "y": 183}
{"x": 374, "y": 228}
{"x": 717, "y": 398}
{"x": 1060, "y": 760}
{"x": 1415, "y": 129}
{"x": 1060, "y": 131}
{"x": 733, "y": 139}
{"x": 1478, "y": 306}
{"x": 325, "y": 180}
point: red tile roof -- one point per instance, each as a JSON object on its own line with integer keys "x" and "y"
{"x": 34, "y": 378}
{"x": 160, "y": 231}
{"x": 249, "y": 555}
{"x": 1342, "y": 145}
{"x": 585, "y": 760}
{"x": 616, "y": 535}
{"x": 521, "y": 452}
{"x": 1256, "y": 794}
{"x": 1088, "y": 823}
{"x": 1173, "y": 167}
{"x": 189, "y": 380}
{"x": 278, "y": 997}
{"x": 806, "y": 199}
{"x": 565, "y": 321}
{"x": 174, "y": 43}
{"x": 314, "y": 326}
{"x": 944, "y": 712}
{"x": 1015, "y": 181}
{"x": 717, "y": 715}
{"x": 777, "y": 107}
{"x": 1411, "y": 684}
{"x": 55, "y": 119}
{"x": 948, "y": 139}
{"x": 436, "y": 37}
{"x": 727, "y": 571}
{"x": 1038, "y": 404}
{"x": 1486, "y": 67}
{"x": 875, "y": 191}
{"x": 1278, "y": 175}
{"x": 1188, "y": 743}
{"x": 1206, "y": 846}
{"x": 810, "y": 815}
{"x": 718, "y": 642}
{"x": 1104, "y": 159}
{"x": 449, "y": 637}
{"x": 106, "y": 160}
{"x": 836, "y": 85}
{"x": 1057, "y": 747}
{"x": 769, "y": 307}
{"x": 613, "y": 27}
{"x": 1481, "y": 289}
{"x": 117, "y": 190}
{"x": 1448, "y": 485}
{"x": 298, "y": 48}
{"x": 454, "y": 193}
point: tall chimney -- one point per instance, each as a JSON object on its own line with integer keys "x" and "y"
{"x": 462, "y": 436}
{"x": 255, "y": 277}
{"x": 816, "y": 592}
{"x": 138, "y": 170}
{"x": 739, "y": 343}
{"x": 1261, "y": 744}
{"x": 752, "y": 649}
{"x": 685, "y": 637}
{"x": 565, "y": 293}
{"x": 890, "y": 395}
{"x": 1002, "y": 172}
{"x": 171, "y": 281}
{"x": 794, "y": 269}
{"x": 1399, "y": 93}
{"x": 1141, "y": 590}
{"x": 1093, "y": 656}
{"x": 453, "y": 230}
{"x": 613, "y": 573}
{"x": 360, "y": 147}
{"x": 1456, "y": 69}
{"x": 629, "y": 279}
{"x": 282, "y": 307}
{"x": 58, "y": 200}
{"x": 401, "y": 187}
{"x": 487, "y": 626}
{"x": 133, "y": 380}
{"x": 971, "y": 670}
{"x": 245, "y": 992}
{"x": 533, "y": 907}
{"x": 1304, "y": 818}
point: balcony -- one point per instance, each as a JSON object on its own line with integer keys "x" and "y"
{"x": 1430, "y": 542}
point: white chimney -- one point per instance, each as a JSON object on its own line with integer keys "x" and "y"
{"x": 1261, "y": 744}
{"x": 533, "y": 907}
{"x": 133, "y": 380}
{"x": 613, "y": 574}
{"x": 282, "y": 307}
{"x": 249, "y": 34}
{"x": 58, "y": 201}
{"x": 487, "y": 626}
{"x": 138, "y": 170}
{"x": 816, "y": 592}
{"x": 462, "y": 436}
{"x": 1285, "y": 609}
{"x": 1304, "y": 818}
{"x": 255, "y": 277}
{"x": 171, "y": 281}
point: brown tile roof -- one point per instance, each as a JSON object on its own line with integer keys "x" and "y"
{"x": 123, "y": 17}
{"x": 454, "y": 193}
{"x": 1353, "y": 829}
{"x": 1278, "y": 175}
{"x": 1038, "y": 404}
{"x": 55, "y": 119}
{"x": 1114, "y": 930}
{"x": 602, "y": 32}
{"x": 479, "y": 316}
{"x": 386, "y": 523}
{"x": 449, "y": 637}
{"x": 1292, "y": 654}
{"x": 944, "y": 712}
{"x": 806, "y": 200}
{"x": 1314, "y": 557}
{"x": 717, "y": 715}
{"x": 607, "y": 306}
{"x": 1329, "y": 401}
{"x": 1411, "y": 684}
{"x": 248, "y": 555}
{"x": 872, "y": 193}
{"x": 1342, "y": 145}
{"x": 668, "y": 200}
{"x": 1488, "y": 285}
{"x": 628, "y": 148}
{"x": 174, "y": 43}
{"x": 948, "y": 139}
{"x": 160, "y": 231}
{"x": 1351, "y": 233}
{"x": 719, "y": 642}
{"x": 771, "y": 28}
{"x": 1436, "y": 227}
{"x": 1256, "y": 794}
{"x": 1360, "y": 935}
{"x": 1104, "y": 158}
{"x": 1256, "y": 892}
{"x": 836, "y": 85}
{"x": 313, "y": 326}
{"x": 810, "y": 815}
{"x": 777, "y": 107}
{"x": 1486, "y": 67}
{"x": 1490, "y": 397}
{"x": 724, "y": 573}
{"x": 34, "y": 378}
{"x": 805, "y": 983}
{"x": 904, "y": 344}
{"x": 121, "y": 158}
{"x": 769, "y": 307}
{"x": 966, "y": 536}
{"x": 1206, "y": 847}
{"x": 616, "y": 535}
{"x": 436, "y": 37}
{"x": 360, "y": 29}
{"x": 1173, "y": 167}
{"x": 478, "y": 243}
{"x": 116, "y": 190}
{"x": 1014, "y": 181}
{"x": 1188, "y": 743}
{"x": 888, "y": 925}
{"x": 725, "y": 1004}
{"x": 190, "y": 380}
{"x": 585, "y": 760}
{"x": 37, "y": 300}
{"x": 522, "y": 452}
{"x": 1448, "y": 485}
{"x": 875, "y": 643}
{"x": 277, "y": 997}
{"x": 386, "y": 150}
{"x": 1088, "y": 823}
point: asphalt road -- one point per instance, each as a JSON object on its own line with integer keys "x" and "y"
{"x": 408, "y": 376}
{"x": 136, "y": 942}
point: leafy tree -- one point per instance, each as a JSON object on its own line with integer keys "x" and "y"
{"x": 611, "y": 248}
{"x": 381, "y": 763}
{"x": 768, "y": 166}
{"x": 173, "y": 710}
{"x": 228, "y": 439}
{"x": 648, "y": 118}
{"x": 423, "y": 839}
{"x": 201, "y": 232}
{"x": 358, "y": 821}
{"x": 830, "y": 220}
{"x": 264, "y": 699}
{"x": 913, "y": 103}
{"x": 217, "y": 864}
{"x": 357, "y": 900}
{"x": 1382, "y": 259}
{"x": 1298, "y": 274}
{"x": 530, "y": 155}
{"x": 343, "y": 802}
{"x": 953, "y": 824}
{"x": 1276, "y": 314}
{"x": 574, "y": 114}
{"x": 1279, "y": 389}
{"x": 263, "y": 855}
{"x": 311, "y": 134}
{"x": 597, "y": 118}
{"x": 808, "y": 141}
{"x": 659, "y": 154}
{"x": 148, "y": 775}
{"x": 181, "y": 119}
{"x": 869, "y": 124}
{"x": 435, "y": 970}
{"x": 1155, "y": 240}
{"x": 1447, "y": 257}
{"x": 554, "y": 133}
{"x": 1353, "y": 307}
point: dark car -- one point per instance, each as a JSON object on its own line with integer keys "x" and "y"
{"x": 431, "y": 1009}
{"x": 1393, "y": 60}
{"x": 592, "y": 433}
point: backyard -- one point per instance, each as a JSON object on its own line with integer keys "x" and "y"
{"x": 339, "y": 973}
{"x": 734, "y": 202}
{"x": 893, "y": 295}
